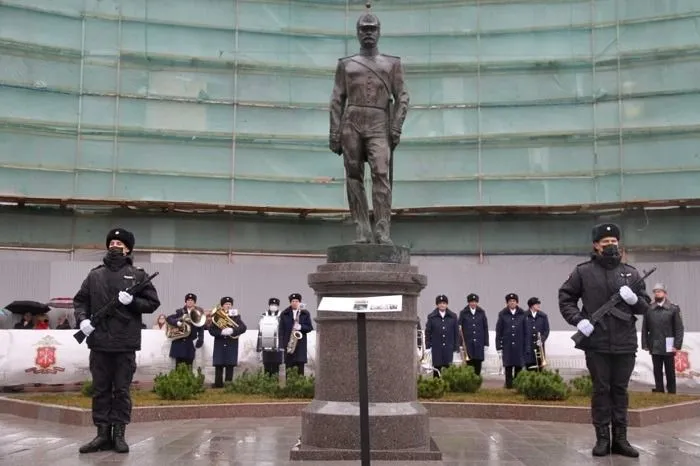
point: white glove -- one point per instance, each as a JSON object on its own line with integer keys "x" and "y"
{"x": 232, "y": 312}
{"x": 125, "y": 298}
{"x": 628, "y": 295}
{"x": 297, "y": 326}
{"x": 86, "y": 327}
{"x": 586, "y": 327}
{"x": 227, "y": 331}
{"x": 179, "y": 323}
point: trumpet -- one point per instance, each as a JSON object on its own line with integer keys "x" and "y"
{"x": 220, "y": 318}
{"x": 294, "y": 337}
{"x": 463, "y": 349}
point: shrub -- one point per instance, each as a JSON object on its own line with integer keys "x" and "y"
{"x": 296, "y": 385}
{"x": 544, "y": 385}
{"x": 582, "y": 385}
{"x": 253, "y": 383}
{"x": 431, "y": 387}
{"x": 461, "y": 379}
{"x": 87, "y": 389}
{"x": 179, "y": 384}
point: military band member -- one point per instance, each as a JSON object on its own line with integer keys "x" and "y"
{"x": 663, "y": 323}
{"x": 226, "y": 344}
{"x": 441, "y": 335}
{"x": 271, "y": 359}
{"x": 114, "y": 342}
{"x": 537, "y": 321}
{"x": 183, "y": 350}
{"x": 475, "y": 328}
{"x": 512, "y": 338}
{"x": 292, "y": 319}
{"x": 610, "y": 350}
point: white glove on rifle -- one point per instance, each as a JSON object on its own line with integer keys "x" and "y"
{"x": 232, "y": 312}
{"x": 125, "y": 298}
{"x": 227, "y": 331}
{"x": 628, "y": 295}
{"x": 86, "y": 327}
{"x": 586, "y": 327}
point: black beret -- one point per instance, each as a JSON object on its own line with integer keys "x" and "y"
{"x": 191, "y": 296}
{"x": 532, "y": 301}
{"x": 294, "y": 296}
{"x": 510, "y": 296}
{"x": 273, "y": 301}
{"x": 226, "y": 299}
{"x": 605, "y": 230}
{"x": 472, "y": 297}
{"x": 441, "y": 298}
{"x": 122, "y": 235}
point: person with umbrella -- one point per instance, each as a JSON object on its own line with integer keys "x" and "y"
{"x": 28, "y": 309}
{"x": 26, "y": 323}
{"x": 113, "y": 342}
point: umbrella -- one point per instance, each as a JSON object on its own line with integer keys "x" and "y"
{"x": 61, "y": 303}
{"x": 33, "y": 307}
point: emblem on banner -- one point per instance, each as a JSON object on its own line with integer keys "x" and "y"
{"x": 681, "y": 361}
{"x": 45, "y": 359}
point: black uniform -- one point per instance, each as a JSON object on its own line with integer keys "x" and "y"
{"x": 114, "y": 342}
{"x": 663, "y": 321}
{"x": 610, "y": 350}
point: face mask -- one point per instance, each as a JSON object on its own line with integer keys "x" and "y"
{"x": 115, "y": 251}
{"x": 611, "y": 250}
{"x": 658, "y": 300}
{"x": 274, "y": 308}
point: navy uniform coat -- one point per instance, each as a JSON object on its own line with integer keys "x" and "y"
{"x": 285, "y": 332}
{"x": 512, "y": 337}
{"x": 442, "y": 337}
{"x": 476, "y": 332}
{"x": 539, "y": 323}
{"x": 184, "y": 348}
{"x": 226, "y": 347}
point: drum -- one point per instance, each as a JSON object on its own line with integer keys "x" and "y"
{"x": 269, "y": 326}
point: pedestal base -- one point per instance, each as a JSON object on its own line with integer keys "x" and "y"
{"x": 306, "y": 453}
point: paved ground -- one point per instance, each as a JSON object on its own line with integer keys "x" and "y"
{"x": 266, "y": 442}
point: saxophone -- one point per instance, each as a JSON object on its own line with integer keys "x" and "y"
{"x": 294, "y": 337}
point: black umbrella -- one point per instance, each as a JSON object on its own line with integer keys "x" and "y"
{"x": 33, "y": 307}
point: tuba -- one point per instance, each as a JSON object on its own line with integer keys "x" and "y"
{"x": 296, "y": 335}
{"x": 194, "y": 317}
{"x": 221, "y": 319}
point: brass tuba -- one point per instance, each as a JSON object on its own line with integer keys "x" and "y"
{"x": 194, "y": 317}
{"x": 295, "y": 336}
{"x": 220, "y": 318}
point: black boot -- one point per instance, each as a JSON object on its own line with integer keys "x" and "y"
{"x": 620, "y": 445}
{"x": 102, "y": 442}
{"x": 120, "y": 445}
{"x": 602, "y": 442}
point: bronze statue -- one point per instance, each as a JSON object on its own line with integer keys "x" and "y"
{"x": 367, "y": 111}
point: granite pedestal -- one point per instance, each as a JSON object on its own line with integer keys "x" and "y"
{"x": 399, "y": 427}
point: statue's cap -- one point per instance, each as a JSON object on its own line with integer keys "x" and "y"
{"x": 368, "y": 18}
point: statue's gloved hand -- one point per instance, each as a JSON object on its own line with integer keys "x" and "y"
{"x": 395, "y": 138}
{"x": 335, "y": 146}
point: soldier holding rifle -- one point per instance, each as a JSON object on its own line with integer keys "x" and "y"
{"x": 605, "y": 283}
{"x": 115, "y": 337}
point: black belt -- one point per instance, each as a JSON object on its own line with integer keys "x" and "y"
{"x": 367, "y": 106}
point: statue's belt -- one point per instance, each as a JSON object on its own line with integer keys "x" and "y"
{"x": 367, "y": 106}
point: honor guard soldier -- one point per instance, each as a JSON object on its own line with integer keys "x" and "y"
{"x": 538, "y": 329}
{"x": 512, "y": 338}
{"x": 610, "y": 348}
{"x": 441, "y": 335}
{"x": 295, "y": 323}
{"x": 662, "y": 336}
{"x": 183, "y": 350}
{"x": 226, "y": 342}
{"x": 272, "y": 355}
{"x": 114, "y": 341}
{"x": 475, "y": 328}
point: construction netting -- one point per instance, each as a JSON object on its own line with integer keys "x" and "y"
{"x": 550, "y": 102}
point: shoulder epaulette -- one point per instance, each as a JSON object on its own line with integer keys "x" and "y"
{"x": 584, "y": 263}
{"x": 391, "y": 56}
{"x": 347, "y": 58}
{"x": 98, "y": 267}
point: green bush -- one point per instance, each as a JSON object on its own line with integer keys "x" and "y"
{"x": 582, "y": 385}
{"x": 87, "y": 389}
{"x": 179, "y": 384}
{"x": 296, "y": 385}
{"x": 253, "y": 383}
{"x": 544, "y": 385}
{"x": 461, "y": 379}
{"x": 431, "y": 387}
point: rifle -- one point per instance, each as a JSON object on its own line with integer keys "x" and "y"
{"x": 609, "y": 308}
{"x": 108, "y": 310}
